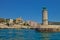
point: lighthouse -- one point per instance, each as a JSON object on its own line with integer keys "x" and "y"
{"x": 44, "y": 16}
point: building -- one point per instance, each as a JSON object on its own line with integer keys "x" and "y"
{"x": 19, "y": 20}
{"x": 33, "y": 24}
{"x": 10, "y": 22}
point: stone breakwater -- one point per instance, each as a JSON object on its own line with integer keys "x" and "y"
{"x": 49, "y": 28}
{"x": 41, "y": 28}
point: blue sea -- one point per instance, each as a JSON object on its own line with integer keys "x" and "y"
{"x": 27, "y": 34}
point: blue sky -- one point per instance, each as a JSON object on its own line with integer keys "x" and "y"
{"x": 30, "y": 9}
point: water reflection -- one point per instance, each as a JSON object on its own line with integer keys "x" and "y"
{"x": 27, "y": 34}
{"x": 45, "y": 36}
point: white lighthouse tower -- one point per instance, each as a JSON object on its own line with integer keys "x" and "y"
{"x": 45, "y": 16}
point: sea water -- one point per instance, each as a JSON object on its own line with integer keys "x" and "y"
{"x": 27, "y": 34}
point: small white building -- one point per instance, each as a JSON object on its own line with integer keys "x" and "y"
{"x": 11, "y": 22}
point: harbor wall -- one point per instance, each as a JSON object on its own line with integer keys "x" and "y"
{"x": 49, "y": 26}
